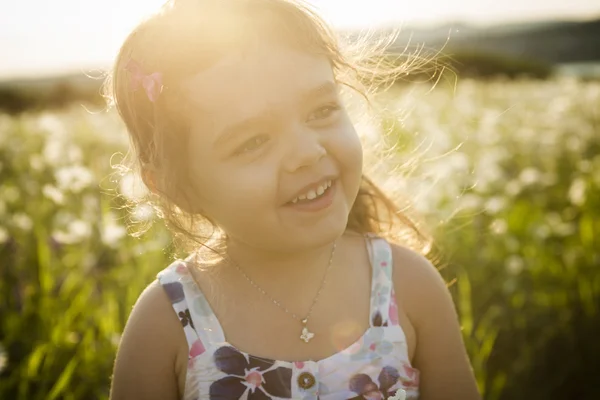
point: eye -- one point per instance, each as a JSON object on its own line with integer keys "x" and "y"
{"x": 325, "y": 112}
{"x": 251, "y": 144}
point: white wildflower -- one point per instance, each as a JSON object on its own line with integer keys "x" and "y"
{"x": 558, "y": 226}
{"x": 529, "y": 176}
{"x": 77, "y": 231}
{"x": 36, "y": 162}
{"x": 574, "y": 143}
{"x": 585, "y": 166}
{"x": 73, "y": 155}
{"x": 52, "y": 125}
{"x": 514, "y": 265}
{"x": 542, "y": 231}
{"x": 142, "y": 213}
{"x": 3, "y": 237}
{"x": 132, "y": 187}
{"x": 74, "y": 178}
{"x": 495, "y": 204}
{"x": 513, "y": 187}
{"x": 53, "y": 194}
{"x": 53, "y": 152}
{"x": 471, "y": 201}
{"x": 577, "y": 192}
{"x": 112, "y": 234}
{"x": 565, "y": 229}
{"x": 10, "y": 194}
{"x": 487, "y": 172}
{"x": 22, "y": 221}
{"x": 80, "y": 228}
{"x": 499, "y": 226}
{"x": 3, "y": 358}
{"x": 112, "y": 231}
{"x": 63, "y": 217}
{"x": 457, "y": 161}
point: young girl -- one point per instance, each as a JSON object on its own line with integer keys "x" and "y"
{"x": 234, "y": 111}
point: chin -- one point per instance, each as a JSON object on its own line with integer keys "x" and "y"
{"x": 305, "y": 231}
{"x": 334, "y": 225}
{"x": 325, "y": 232}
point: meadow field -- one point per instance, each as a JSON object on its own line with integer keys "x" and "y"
{"x": 507, "y": 177}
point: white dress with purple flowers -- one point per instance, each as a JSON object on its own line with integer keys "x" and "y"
{"x": 374, "y": 367}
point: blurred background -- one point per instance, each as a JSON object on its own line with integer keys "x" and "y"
{"x": 508, "y": 138}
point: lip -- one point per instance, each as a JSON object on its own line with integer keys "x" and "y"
{"x": 313, "y": 186}
{"x": 318, "y": 204}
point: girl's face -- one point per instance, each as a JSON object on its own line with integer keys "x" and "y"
{"x": 269, "y": 129}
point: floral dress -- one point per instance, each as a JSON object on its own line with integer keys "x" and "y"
{"x": 373, "y": 367}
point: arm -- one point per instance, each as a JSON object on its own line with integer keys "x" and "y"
{"x": 440, "y": 353}
{"x": 145, "y": 366}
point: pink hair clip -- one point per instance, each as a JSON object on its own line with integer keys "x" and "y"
{"x": 152, "y": 83}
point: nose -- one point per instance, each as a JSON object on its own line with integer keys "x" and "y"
{"x": 305, "y": 149}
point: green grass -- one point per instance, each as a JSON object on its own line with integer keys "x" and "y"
{"x": 508, "y": 178}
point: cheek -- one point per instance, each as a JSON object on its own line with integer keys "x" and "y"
{"x": 229, "y": 192}
{"x": 348, "y": 153}
{"x": 346, "y": 148}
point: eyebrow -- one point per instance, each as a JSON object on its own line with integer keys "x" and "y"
{"x": 329, "y": 87}
{"x": 259, "y": 120}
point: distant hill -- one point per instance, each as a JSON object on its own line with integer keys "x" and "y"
{"x": 19, "y": 95}
{"x": 82, "y": 80}
{"x": 554, "y": 42}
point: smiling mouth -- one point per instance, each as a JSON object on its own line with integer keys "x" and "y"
{"x": 313, "y": 194}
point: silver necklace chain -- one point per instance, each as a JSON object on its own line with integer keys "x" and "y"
{"x": 278, "y": 303}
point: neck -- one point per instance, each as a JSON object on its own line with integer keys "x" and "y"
{"x": 271, "y": 268}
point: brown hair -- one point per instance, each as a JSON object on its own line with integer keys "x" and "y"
{"x": 212, "y": 28}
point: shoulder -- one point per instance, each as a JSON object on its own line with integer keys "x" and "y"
{"x": 150, "y": 347}
{"x": 153, "y": 310}
{"x": 441, "y": 358}
{"x": 414, "y": 268}
{"x": 419, "y": 284}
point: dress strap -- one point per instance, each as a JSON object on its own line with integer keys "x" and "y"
{"x": 384, "y": 311}
{"x": 200, "y": 324}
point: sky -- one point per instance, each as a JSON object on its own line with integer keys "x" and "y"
{"x": 41, "y": 37}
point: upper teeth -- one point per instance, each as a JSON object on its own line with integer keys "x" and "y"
{"x": 313, "y": 193}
